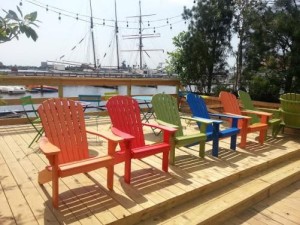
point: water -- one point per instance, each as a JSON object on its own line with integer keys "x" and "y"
{"x": 74, "y": 91}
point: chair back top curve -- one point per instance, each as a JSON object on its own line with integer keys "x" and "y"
{"x": 124, "y": 113}
{"x": 64, "y": 125}
{"x": 230, "y": 103}
{"x": 166, "y": 109}
{"x": 198, "y": 108}
{"x": 248, "y": 105}
{"x": 27, "y": 105}
{"x": 290, "y": 102}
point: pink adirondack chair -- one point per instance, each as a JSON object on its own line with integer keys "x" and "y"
{"x": 231, "y": 106}
{"x": 66, "y": 146}
{"x": 126, "y": 121}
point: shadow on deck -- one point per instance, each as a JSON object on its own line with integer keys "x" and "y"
{"x": 85, "y": 200}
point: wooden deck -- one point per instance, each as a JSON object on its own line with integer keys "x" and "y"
{"x": 85, "y": 199}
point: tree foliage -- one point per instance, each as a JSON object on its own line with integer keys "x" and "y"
{"x": 268, "y": 44}
{"x": 12, "y": 25}
{"x": 274, "y": 43}
{"x": 202, "y": 50}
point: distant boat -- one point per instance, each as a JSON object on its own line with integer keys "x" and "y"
{"x": 13, "y": 89}
{"x": 41, "y": 88}
{"x": 9, "y": 114}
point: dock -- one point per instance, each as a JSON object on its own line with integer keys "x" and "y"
{"x": 195, "y": 191}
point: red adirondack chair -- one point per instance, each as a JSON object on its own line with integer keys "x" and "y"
{"x": 126, "y": 121}
{"x": 231, "y": 106}
{"x": 66, "y": 146}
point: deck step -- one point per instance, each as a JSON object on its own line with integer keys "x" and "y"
{"x": 226, "y": 202}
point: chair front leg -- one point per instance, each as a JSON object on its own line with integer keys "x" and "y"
{"x": 55, "y": 182}
{"x": 202, "y": 149}
{"x": 128, "y": 156}
{"x": 215, "y": 139}
{"x": 243, "y": 133}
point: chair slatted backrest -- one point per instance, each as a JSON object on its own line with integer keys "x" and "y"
{"x": 198, "y": 108}
{"x": 248, "y": 105}
{"x": 290, "y": 102}
{"x": 27, "y": 105}
{"x": 64, "y": 125}
{"x": 230, "y": 104}
{"x": 124, "y": 113}
{"x": 166, "y": 109}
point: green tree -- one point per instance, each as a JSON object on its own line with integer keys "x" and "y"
{"x": 12, "y": 25}
{"x": 274, "y": 43}
{"x": 245, "y": 14}
{"x": 202, "y": 50}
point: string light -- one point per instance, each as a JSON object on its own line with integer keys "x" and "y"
{"x": 80, "y": 17}
{"x": 74, "y": 15}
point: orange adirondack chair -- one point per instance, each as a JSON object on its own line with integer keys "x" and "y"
{"x": 126, "y": 121}
{"x": 66, "y": 146}
{"x": 231, "y": 106}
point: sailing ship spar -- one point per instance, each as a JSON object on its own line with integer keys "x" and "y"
{"x": 140, "y": 36}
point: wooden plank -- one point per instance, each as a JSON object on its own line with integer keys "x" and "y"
{"x": 37, "y": 162}
{"x": 140, "y": 199}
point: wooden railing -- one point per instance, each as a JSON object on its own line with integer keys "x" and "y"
{"x": 213, "y": 103}
{"x": 60, "y": 82}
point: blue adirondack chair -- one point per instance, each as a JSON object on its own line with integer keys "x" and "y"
{"x": 213, "y": 132}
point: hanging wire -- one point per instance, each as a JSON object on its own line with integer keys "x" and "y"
{"x": 75, "y": 15}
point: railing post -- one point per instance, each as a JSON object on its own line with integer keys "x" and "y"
{"x": 129, "y": 89}
{"x": 60, "y": 91}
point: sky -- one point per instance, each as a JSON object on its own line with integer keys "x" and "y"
{"x": 60, "y": 39}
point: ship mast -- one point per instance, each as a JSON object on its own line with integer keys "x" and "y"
{"x": 117, "y": 38}
{"x": 140, "y": 36}
{"x": 92, "y": 32}
{"x": 141, "y": 39}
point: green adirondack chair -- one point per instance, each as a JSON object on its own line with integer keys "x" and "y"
{"x": 167, "y": 114}
{"x": 274, "y": 122}
{"x": 290, "y": 108}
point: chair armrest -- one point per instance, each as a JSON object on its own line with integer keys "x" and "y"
{"x": 48, "y": 148}
{"x": 259, "y": 113}
{"x": 106, "y": 135}
{"x": 269, "y": 110}
{"x": 209, "y": 120}
{"x": 227, "y": 116}
{"x": 164, "y": 128}
{"x": 122, "y": 134}
{"x": 243, "y": 117}
{"x": 198, "y": 119}
{"x": 276, "y": 113}
{"x": 165, "y": 124}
